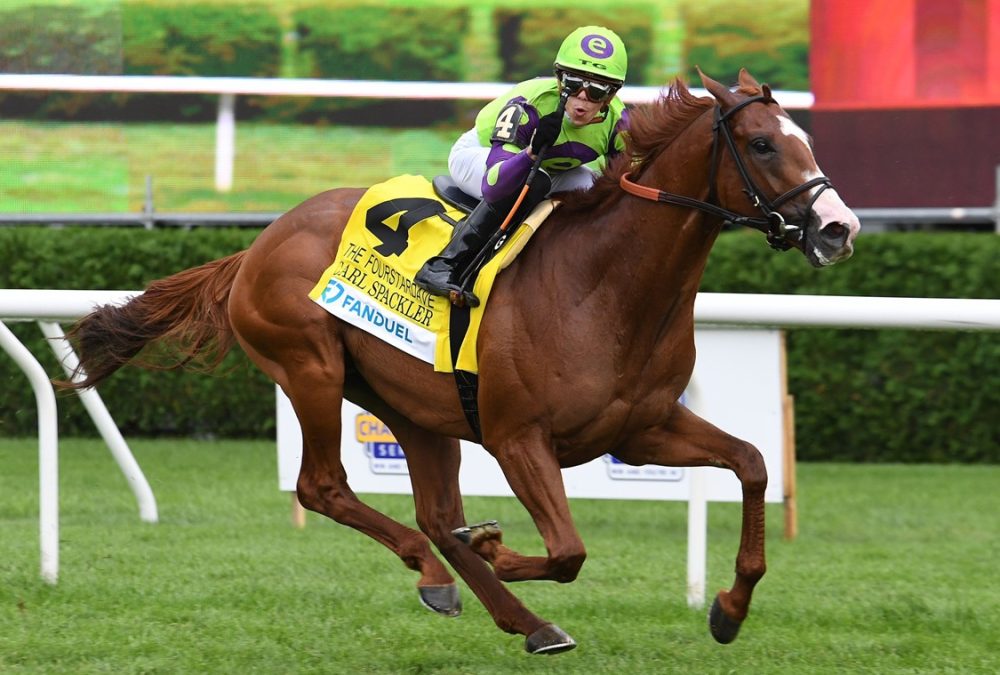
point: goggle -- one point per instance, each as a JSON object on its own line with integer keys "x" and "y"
{"x": 597, "y": 92}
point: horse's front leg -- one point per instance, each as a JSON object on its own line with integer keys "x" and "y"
{"x": 533, "y": 473}
{"x": 433, "y": 462}
{"x": 685, "y": 439}
{"x": 433, "y": 465}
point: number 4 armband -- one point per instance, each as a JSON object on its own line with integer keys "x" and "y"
{"x": 508, "y": 122}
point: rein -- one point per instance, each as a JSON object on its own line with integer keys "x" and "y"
{"x": 781, "y": 234}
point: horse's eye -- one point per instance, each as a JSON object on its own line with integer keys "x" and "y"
{"x": 761, "y": 146}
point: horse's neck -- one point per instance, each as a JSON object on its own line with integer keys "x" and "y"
{"x": 650, "y": 257}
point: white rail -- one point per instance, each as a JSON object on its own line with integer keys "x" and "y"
{"x": 839, "y": 311}
{"x": 105, "y": 425}
{"x": 255, "y": 86}
{"x": 745, "y": 309}
{"x": 48, "y": 452}
{"x": 228, "y": 88}
{"x": 46, "y": 308}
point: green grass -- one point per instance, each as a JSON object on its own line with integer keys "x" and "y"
{"x": 96, "y": 168}
{"x": 893, "y": 572}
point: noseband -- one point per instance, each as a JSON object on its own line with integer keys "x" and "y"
{"x": 781, "y": 234}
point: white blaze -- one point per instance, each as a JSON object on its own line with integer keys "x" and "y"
{"x": 829, "y": 207}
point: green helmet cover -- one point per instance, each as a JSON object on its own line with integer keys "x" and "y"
{"x": 596, "y": 50}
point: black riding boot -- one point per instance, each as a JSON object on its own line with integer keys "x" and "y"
{"x": 440, "y": 274}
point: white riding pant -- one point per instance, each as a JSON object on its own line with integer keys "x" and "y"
{"x": 467, "y": 165}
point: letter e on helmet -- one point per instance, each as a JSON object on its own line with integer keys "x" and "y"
{"x": 596, "y": 51}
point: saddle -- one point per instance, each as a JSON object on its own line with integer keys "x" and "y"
{"x": 446, "y": 189}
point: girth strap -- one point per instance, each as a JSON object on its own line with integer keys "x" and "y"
{"x": 467, "y": 382}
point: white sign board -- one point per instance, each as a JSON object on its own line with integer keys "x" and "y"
{"x": 736, "y": 385}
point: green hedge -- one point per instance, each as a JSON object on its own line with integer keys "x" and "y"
{"x": 366, "y": 42}
{"x": 867, "y": 395}
{"x": 238, "y": 401}
{"x": 84, "y": 40}
{"x": 536, "y": 35}
{"x": 206, "y": 40}
{"x": 51, "y": 39}
{"x": 363, "y": 40}
{"x": 770, "y": 39}
{"x": 136, "y": 38}
{"x": 884, "y": 395}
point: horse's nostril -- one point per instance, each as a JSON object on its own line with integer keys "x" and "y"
{"x": 835, "y": 231}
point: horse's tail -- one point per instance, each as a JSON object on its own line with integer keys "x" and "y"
{"x": 187, "y": 313}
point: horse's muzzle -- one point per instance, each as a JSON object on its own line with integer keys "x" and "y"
{"x": 833, "y": 239}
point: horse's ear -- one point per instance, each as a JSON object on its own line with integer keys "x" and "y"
{"x": 719, "y": 91}
{"x": 748, "y": 81}
{"x": 766, "y": 91}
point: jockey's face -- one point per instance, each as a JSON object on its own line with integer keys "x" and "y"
{"x": 581, "y": 110}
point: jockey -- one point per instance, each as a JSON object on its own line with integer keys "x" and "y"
{"x": 493, "y": 159}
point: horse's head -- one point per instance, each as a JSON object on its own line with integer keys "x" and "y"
{"x": 769, "y": 170}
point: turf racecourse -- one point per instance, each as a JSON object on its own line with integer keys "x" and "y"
{"x": 894, "y": 571}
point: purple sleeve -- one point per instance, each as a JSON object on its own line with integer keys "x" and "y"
{"x": 510, "y": 168}
{"x": 513, "y": 171}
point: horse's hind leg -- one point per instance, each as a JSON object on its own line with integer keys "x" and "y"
{"x": 687, "y": 440}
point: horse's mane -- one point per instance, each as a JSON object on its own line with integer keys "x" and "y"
{"x": 652, "y": 128}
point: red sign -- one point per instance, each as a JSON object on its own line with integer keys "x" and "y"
{"x": 904, "y": 53}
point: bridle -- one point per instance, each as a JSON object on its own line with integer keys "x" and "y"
{"x": 781, "y": 234}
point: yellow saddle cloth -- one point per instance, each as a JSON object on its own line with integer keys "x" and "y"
{"x": 393, "y": 230}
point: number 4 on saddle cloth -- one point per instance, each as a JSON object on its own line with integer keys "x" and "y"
{"x": 395, "y": 227}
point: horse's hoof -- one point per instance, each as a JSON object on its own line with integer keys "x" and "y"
{"x": 724, "y": 629}
{"x": 549, "y": 639}
{"x": 488, "y": 529}
{"x": 441, "y": 599}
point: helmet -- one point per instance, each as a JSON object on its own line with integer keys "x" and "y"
{"x": 594, "y": 50}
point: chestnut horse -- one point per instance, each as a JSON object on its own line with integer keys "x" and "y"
{"x": 587, "y": 344}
